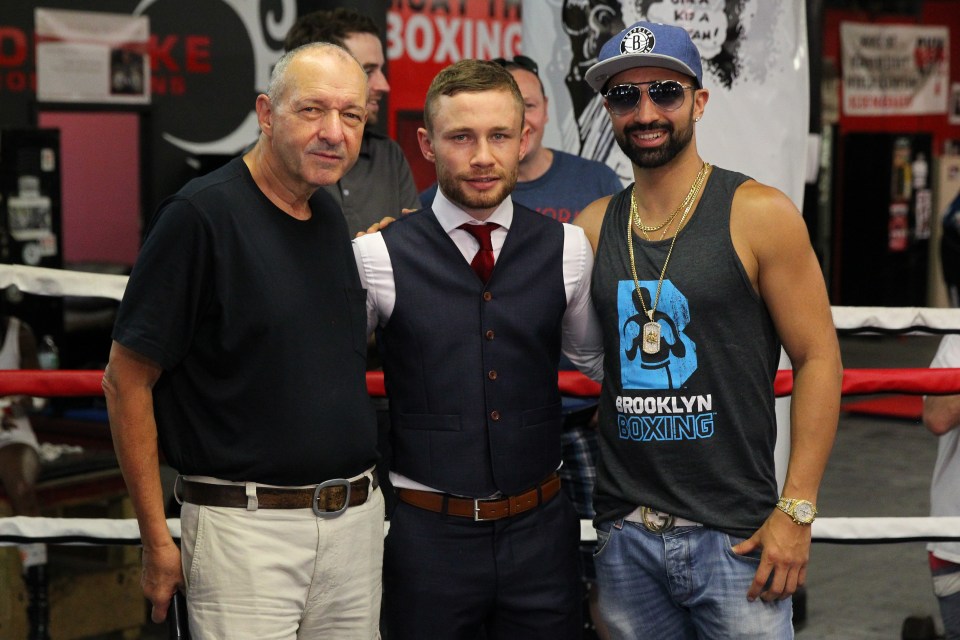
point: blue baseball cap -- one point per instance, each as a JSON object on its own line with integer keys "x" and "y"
{"x": 646, "y": 44}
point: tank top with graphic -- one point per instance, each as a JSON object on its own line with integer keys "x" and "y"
{"x": 687, "y": 428}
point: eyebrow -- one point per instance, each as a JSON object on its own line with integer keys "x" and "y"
{"x": 312, "y": 101}
{"x": 459, "y": 130}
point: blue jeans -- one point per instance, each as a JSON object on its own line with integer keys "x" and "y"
{"x": 950, "y": 611}
{"x": 946, "y": 577}
{"x": 686, "y": 583}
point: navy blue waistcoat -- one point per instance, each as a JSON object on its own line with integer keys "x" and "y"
{"x": 471, "y": 370}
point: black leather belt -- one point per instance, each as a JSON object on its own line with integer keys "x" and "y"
{"x": 327, "y": 499}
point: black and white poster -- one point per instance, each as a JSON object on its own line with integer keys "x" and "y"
{"x": 755, "y": 65}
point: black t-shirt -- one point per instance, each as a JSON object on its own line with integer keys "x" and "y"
{"x": 259, "y": 323}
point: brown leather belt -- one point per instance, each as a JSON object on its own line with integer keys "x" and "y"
{"x": 493, "y": 509}
{"x": 326, "y": 499}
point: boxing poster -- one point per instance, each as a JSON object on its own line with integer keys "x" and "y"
{"x": 894, "y": 69}
{"x": 755, "y": 65}
{"x": 92, "y": 56}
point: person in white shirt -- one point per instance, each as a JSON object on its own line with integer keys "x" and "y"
{"x": 474, "y": 298}
{"x": 941, "y": 415}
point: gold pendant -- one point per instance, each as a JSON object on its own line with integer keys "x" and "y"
{"x": 651, "y": 337}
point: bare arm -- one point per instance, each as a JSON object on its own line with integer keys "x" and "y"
{"x": 590, "y": 219}
{"x": 941, "y": 414}
{"x": 772, "y": 241}
{"x": 128, "y": 386}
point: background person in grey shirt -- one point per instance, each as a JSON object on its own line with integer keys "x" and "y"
{"x": 380, "y": 183}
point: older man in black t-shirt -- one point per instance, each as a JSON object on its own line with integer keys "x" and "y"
{"x": 240, "y": 344}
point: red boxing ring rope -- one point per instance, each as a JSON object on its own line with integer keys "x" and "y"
{"x": 573, "y": 383}
{"x": 16, "y": 530}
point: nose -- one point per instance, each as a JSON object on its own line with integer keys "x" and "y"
{"x": 482, "y": 155}
{"x": 645, "y": 111}
{"x": 378, "y": 82}
{"x": 330, "y": 129}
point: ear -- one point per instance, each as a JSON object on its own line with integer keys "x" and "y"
{"x": 426, "y": 145}
{"x": 700, "y": 99}
{"x": 265, "y": 114}
{"x": 524, "y": 140}
{"x": 546, "y": 110}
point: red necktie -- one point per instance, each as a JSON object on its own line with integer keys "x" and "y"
{"x": 482, "y": 262}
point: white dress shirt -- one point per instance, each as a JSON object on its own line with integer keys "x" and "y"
{"x": 581, "y": 337}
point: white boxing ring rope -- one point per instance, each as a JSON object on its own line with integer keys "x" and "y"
{"x": 848, "y": 320}
{"x": 877, "y": 320}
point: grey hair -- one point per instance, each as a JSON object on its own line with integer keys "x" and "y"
{"x": 278, "y": 77}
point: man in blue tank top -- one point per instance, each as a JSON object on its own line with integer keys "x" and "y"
{"x": 700, "y": 275}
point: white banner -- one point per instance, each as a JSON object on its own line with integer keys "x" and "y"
{"x": 755, "y": 64}
{"x": 894, "y": 69}
{"x": 85, "y": 56}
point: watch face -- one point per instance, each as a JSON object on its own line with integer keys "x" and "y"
{"x": 804, "y": 512}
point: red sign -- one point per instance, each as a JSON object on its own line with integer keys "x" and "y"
{"x": 423, "y": 37}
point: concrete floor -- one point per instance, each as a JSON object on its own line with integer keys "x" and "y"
{"x": 879, "y": 467}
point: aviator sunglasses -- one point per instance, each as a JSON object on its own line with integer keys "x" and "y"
{"x": 666, "y": 95}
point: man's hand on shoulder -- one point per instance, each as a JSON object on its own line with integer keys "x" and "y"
{"x": 377, "y": 226}
{"x": 383, "y": 223}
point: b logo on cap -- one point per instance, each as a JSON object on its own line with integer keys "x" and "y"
{"x": 637, "y": 40}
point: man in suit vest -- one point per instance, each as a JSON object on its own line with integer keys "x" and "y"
{"x": 473, "y": 306}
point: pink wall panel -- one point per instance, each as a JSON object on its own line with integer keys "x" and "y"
{"x": 100, "y": 168}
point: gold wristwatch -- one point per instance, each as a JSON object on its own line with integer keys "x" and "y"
{"x": 802, "y": 511}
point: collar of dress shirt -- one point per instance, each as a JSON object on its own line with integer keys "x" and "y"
{"x": 450, "y": 216}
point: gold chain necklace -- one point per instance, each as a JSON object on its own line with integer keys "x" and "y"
{"x": 691, "y": 194}
{"x": 644, "y": 229}
{"x": 651, "y": 329}
{"x": 663, "y": 225}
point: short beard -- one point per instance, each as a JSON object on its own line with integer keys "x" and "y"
{"x": 659, "y": 156}
{"x": 452, "y": 188}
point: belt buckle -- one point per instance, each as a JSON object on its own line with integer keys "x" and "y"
{"x": 476, "y": 511}
{"x": 656, "y": 521}
{"x": 331, "y": 483}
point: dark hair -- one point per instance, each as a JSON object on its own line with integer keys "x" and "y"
{"x": 333, "y": 26}
{"x": 471, "y": 76}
